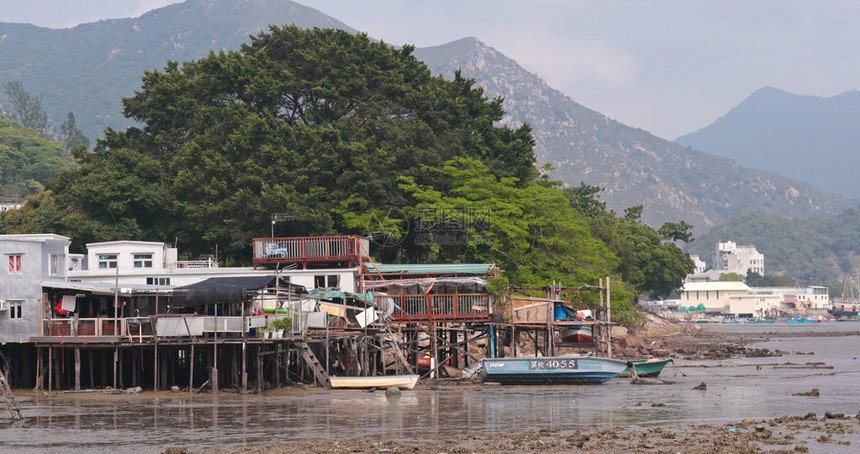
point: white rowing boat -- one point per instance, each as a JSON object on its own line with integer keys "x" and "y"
{"x": 377, "y": 381}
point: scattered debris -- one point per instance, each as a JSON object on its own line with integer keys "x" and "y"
{"x": 812, "y": 393}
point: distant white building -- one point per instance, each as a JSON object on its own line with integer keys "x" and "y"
{"x": 732, "y": 298}
{"x": 700, "y": 264}
{"x": 713, "y": 296}
{"x": 814, "y": 298}
{"x": 6, "y": 206}
{"x": 731, "y": 258}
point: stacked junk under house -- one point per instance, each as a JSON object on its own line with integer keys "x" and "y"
{"x": 313, "y": 310}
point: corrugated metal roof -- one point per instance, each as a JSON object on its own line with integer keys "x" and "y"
{"x": 452, "y": 268}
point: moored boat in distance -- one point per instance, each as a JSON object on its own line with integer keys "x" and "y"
{"x": 650, "y": 367}
{"x": 579, "y": 334}
{"x": 572, "y": 370}
{"x": 376, "y": 381}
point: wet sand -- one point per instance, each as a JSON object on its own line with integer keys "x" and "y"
{"x": 832, "y": 433}
{"x": 750, "y": 380}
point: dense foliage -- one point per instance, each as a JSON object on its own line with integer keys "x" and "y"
{"x": 26, "y": 160}
{"x": 348, "y": 136}
{"x": 649, "y": 260}
{"x": 297, "y": 121}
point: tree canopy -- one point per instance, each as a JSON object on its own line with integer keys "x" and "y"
{"x": 25, "y": 109}
{"x": 296, "y": 121}
{"x": 649, "y": 261}
{"x": 26, "y": 160}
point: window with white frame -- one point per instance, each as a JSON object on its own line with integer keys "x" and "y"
{"x": 143, "y": 260}
{"x": 107, "y": 261}
{"x": 15, "y": 263}
{"x": 15, "y": 311}
{"x": 333, "y": 281}
{"x": 55, "y": 263}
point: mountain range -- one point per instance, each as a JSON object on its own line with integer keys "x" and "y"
{"x": 808, "y": 138}
{"x": 88, "y": 69}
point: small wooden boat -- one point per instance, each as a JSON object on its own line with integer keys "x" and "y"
{"x": 376, "y": 381}
{"x": 573, "y": 370}
{"x": 650, "y": 367}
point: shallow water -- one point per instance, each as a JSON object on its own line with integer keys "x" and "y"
{"x": 736, "y": 389}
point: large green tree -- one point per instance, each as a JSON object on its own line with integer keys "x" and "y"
{"x": 26, "y": 160}
{"x": 649, "y": 259}
{"x": 297, "y": 121}
{"x": 24, "y": 108}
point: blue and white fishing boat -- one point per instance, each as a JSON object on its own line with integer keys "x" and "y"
{"x": 567, "y": 370}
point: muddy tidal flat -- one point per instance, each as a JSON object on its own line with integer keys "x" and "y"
{"x": 766, "y": 388}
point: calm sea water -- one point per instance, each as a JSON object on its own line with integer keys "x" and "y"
{"x": 736, "y": 389}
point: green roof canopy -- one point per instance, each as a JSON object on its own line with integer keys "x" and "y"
{"x": 453, "y": 268}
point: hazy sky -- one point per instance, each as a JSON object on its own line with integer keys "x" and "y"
{"x": 666, "y": 66}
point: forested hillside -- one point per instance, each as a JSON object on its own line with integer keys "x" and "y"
{"x": 26, "y": 160}
{"x": 811, "y": 251}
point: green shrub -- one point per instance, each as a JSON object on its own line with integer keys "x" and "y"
{"x": 285, "y": 324}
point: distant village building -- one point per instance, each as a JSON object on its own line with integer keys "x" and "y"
{"x": 700, "y": 265}
{"x": 731, "y": 258}
{"x": 6, "y": 205}
{"x": 814, "y": 299}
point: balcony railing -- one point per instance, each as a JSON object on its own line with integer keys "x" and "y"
{"x": 208, "y": 263}
{"x": 139, "y": 329}
{"x": 84, "y": 327}
{"x": 450, "y": 307}
{"x": 310, "y": 249}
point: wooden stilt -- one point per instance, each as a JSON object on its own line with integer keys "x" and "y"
{"x": 155, "y": 367}
{"x": 260, "y": 382}
{"x": 77, "y": 369}
{"x": 50, "y": 369}
{"x": 39, "y": 369}
{"x": 90, "y": 369}
{"x": 278, "y": 367}
{"x": 115, "y": 365}
{"x": 244, "y": 368}
{"x": 191, "y": 370}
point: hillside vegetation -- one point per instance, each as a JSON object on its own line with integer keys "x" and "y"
{"x": 811, "y": 251}
{"x": 26, "y": 160}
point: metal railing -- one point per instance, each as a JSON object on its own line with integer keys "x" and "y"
{"x": 310, "y": 249}
{"x": 208, "y": 263}
{"x": 448, "y": 307}
{"x": 84, "y": 327}
{"x": 137, "y": 329}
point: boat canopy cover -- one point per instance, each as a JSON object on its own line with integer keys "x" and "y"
{"x": 221, "y": 290}
{"x": 439, "y": 284}
{"x": 422, "y": 285}
{"x": 452, "y": 268}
